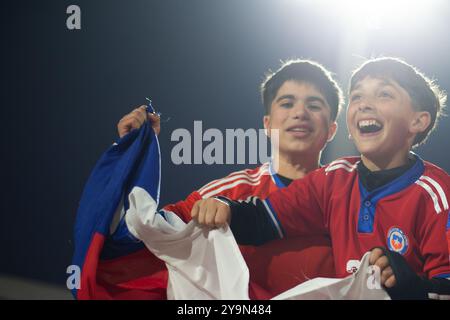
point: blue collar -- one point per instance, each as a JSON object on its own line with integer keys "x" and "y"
{"x": 369, "y": 200}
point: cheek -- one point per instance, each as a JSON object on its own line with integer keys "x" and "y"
{"x": 277, "y": 119}
{"x": 399, "y": 128}
{"x": 323, "y": 126}
{"x": 350, "y": 112}
{"x": 350, "y": 115}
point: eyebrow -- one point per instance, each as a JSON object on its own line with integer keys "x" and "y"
{"x": 286, "y": 96}
{"x": 308, "y": 99}
{"x": 316, "y": 99}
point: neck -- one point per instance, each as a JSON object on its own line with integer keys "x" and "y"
{"x": 385, "y": 163}
{"x": 295, "y": 166}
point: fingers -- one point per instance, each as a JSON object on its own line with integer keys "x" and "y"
{"x": 134, "y": 120}
{"x": 222, "y": 216}
{"x": 390, "y": 282}
{"x": 139, "y": 114}
{"x": 382, "y": 263}
{"x": 210, "y": 213}
{"x": 155, "y": 120}
{"x": 378, "y": 259}
{"x": 202, "y": 211}
{"x": 375, "y": 254}
{"x": 198, "y": 211}
{"x": 387, "y": 277}
{"x": 386, "y": 274}
{"x": 195, "y": 210}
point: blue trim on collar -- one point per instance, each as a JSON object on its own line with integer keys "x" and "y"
{"x": 369, "y": 200}
{"x": 275, "y": 177}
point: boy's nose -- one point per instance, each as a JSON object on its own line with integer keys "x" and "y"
{"x": 365, "y": 106}
{"x": 300, "y": 111}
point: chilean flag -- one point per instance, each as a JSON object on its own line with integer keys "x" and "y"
{"x": 101, "y": 256}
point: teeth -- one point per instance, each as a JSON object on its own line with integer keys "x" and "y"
{"x": 366, "y": 123}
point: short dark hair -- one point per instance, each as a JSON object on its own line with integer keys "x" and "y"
{"x": 306, "y": 71}
{"x": 425, "y": 94}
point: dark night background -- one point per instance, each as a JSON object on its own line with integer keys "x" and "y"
{"x": 63, "y": 92}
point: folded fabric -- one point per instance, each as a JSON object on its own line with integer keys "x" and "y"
{"x": 363, "y": 284}
{"x": 207, "y": 264}
{"x": 202, "y": 264}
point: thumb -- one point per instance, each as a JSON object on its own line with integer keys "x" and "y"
{"x": 155, "y": 120}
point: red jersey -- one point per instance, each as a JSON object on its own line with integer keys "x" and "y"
{"x": 409, "y": 215}
{"x": 274, "y": 267}
{"x": 281, "y": 264}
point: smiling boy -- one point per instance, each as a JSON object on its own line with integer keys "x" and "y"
{"x": 388, "y": 201}
{"x": 301, "y": 101}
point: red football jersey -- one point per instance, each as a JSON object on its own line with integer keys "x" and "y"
{"x": 281, "y": 264}
{"x": 409, "y": 215}
{"x": 274, "y": 267}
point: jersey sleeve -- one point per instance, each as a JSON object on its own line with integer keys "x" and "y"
{"x": 292, "y": 211}
{"x": 183, "y": 208}
{"x": 435, "y": 243}
{"x": 299, "y": 209}
{"x": 434, "y": 229}
{"x": 234, "y": 186}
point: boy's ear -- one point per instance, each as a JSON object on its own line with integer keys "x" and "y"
{"x": 332, "y": 131}
{"x": 421, "y": 122}
{"x": 266, "y": 122}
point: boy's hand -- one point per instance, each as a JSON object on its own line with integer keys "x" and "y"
{"x": 211, "y": 212}
{"x": 136, "y": 118}
{"x": 378, "y": 259}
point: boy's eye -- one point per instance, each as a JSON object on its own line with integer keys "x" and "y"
{"x": 287, "y": 104}
{"x": 355, "y": 97}
{"x": 385, "y": 94}
{"x": 314, "y": 107}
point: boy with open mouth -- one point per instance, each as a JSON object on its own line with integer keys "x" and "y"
{"x": 388, "y": 201}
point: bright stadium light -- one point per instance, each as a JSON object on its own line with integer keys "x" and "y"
{"x": 377, "y": 14}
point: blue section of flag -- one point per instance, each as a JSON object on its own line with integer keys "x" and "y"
{"x": 133, "y": 161}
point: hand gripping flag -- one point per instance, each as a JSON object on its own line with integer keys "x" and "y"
{"x": 134, "y": 161}
{"x": 126, "y": 179}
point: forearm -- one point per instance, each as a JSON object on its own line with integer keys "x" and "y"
{"x": 422, "y": 288}
{"x": 251, "y": 222}
{"x": 438, "y": 288}
{"x": 411, "y": 286}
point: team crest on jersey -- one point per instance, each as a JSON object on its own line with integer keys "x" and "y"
{"x": 397, "y": 241}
